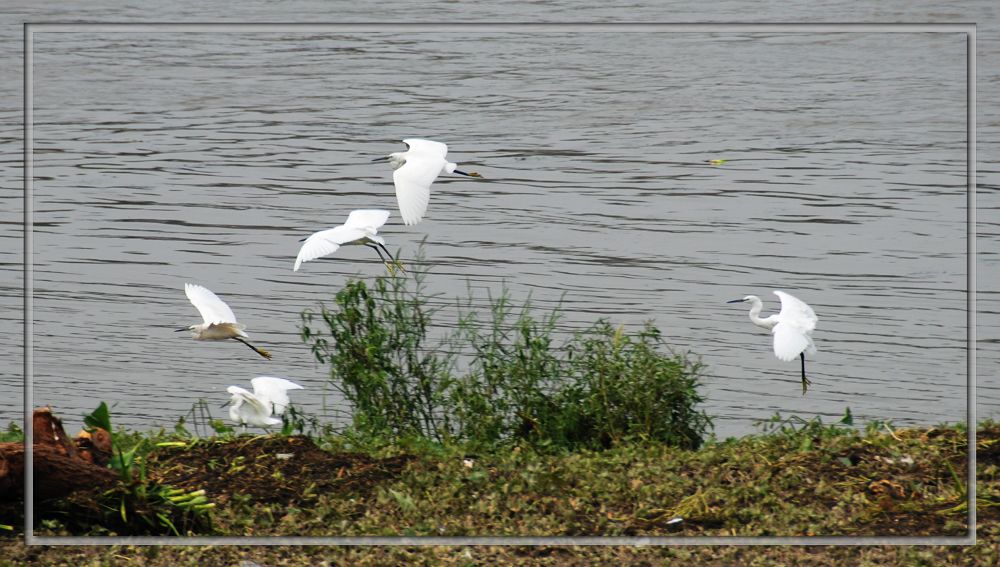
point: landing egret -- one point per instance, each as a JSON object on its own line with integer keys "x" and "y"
{"x": 414, "y": 171}
{"x": 220, "y": 323}
{"x": 361, "y": 228}
{"x": 792, "y": 328}
{"x": 269, "y": 397}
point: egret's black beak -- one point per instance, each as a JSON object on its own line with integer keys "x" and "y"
{"x": 383, "y": 158}
{"x": 181, "y": 329}
{"x": 225, "y": 404}
{"x": 735, "y": 301}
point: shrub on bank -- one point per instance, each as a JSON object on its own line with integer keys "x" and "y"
{"x": 499, "y": 378}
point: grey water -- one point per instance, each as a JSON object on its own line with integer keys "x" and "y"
{"x": 165, "y": 158}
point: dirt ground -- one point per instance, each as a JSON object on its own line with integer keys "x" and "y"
{"x": 287, "y": 470}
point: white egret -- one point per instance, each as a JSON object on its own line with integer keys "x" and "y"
{"x": 792, "y": 328}
{"x": 414, "y": 171}
{"x": 269, "y": 397}
{"x": 361, "y": 228}
{"x": 220, "y": 322}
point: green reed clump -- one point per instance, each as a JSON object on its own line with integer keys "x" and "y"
{"x": 513, "y": 372}
{"x": 376, "y": 344}
{"x": 516, "y": 383}
{"x": 627, "y": 386}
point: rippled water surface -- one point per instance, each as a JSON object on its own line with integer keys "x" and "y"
{"x": 177, "y": 157}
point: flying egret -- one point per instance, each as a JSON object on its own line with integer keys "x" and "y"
{"x": 269, "y": 397}
{"x": 361, "y": 228}
{"x": 792, "y": 328}
{"x": 414, "y": 171}
{"x": 220, "y": 323}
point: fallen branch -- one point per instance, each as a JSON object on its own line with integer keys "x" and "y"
{"x": 61, "y": 466}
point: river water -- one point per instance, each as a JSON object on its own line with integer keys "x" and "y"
{"x": 173, "y": 157}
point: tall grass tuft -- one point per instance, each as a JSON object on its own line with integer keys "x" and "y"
{"x": 513, "y": 373}
{"x": 629, "y": 386}
{"x": 598, "y": 388}
{"x": 375, "y": 341}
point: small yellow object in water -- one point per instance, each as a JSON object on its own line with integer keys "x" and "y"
{"x": 717, "y": 161}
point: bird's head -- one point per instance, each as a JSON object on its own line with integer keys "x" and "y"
{"x": 753, "y": 300}
{"x": 395, "y": 159}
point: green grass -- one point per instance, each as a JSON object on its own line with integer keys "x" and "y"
{"x": 800, "y": 477}
{"x": 12, "y": 434}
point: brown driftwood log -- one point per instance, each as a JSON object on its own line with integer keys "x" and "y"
{"x": 48, "y": 431}
{"x": 59, "y": 466}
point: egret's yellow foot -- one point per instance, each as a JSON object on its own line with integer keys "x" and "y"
{"x": 393, "y": 266}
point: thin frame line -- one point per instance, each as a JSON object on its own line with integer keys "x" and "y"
{"x": 970, "y": 411}
{"x": 29, "y": 436}
{"x": 61, "y": 27}
{"x": 501, "y": 27}
{"x": 503, "y": 540}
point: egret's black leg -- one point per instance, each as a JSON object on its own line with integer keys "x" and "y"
{"x": 391, "y": 263}
{"x": 805, "y": 381}
{"x": 379, "y": 252}
{"x": 259, "y": 351}
{"x": 388, "y": 266}
{"x": 380, "y": 245}
{"x": 394, "y": 261}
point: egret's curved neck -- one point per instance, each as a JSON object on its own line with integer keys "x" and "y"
{"x": 755, "y": 307}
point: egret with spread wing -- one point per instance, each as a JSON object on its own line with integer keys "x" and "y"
{"x": 414, "y": 171}
{"x": 269, "y": 398}
{"x": 792, "y": 328}
{"x": 361, "y": 228}
{"x": 220, "y": 322}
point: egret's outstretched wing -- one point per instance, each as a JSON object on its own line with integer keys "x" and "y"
{"x": 247, "y": 408}
{"x": 273, "y": 392}
{"x": 367, "y": 218}
{"x": 326, "y": 242}
{"x": 211, "y": 308}
{"x": 239, "y": 394}
{"x": 795, "y": 312}
{"x": 413, "y": 185}
{"x": 789, "y": 341}
{"x": 426, "y": 147}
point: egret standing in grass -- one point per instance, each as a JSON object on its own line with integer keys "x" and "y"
{"x": 220, "y": 322}
{"x": 415, "y": 170}
{"x": 269, "y": 397}
{"x": 361, "y": 228}
{"x": 792, "y": 328}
